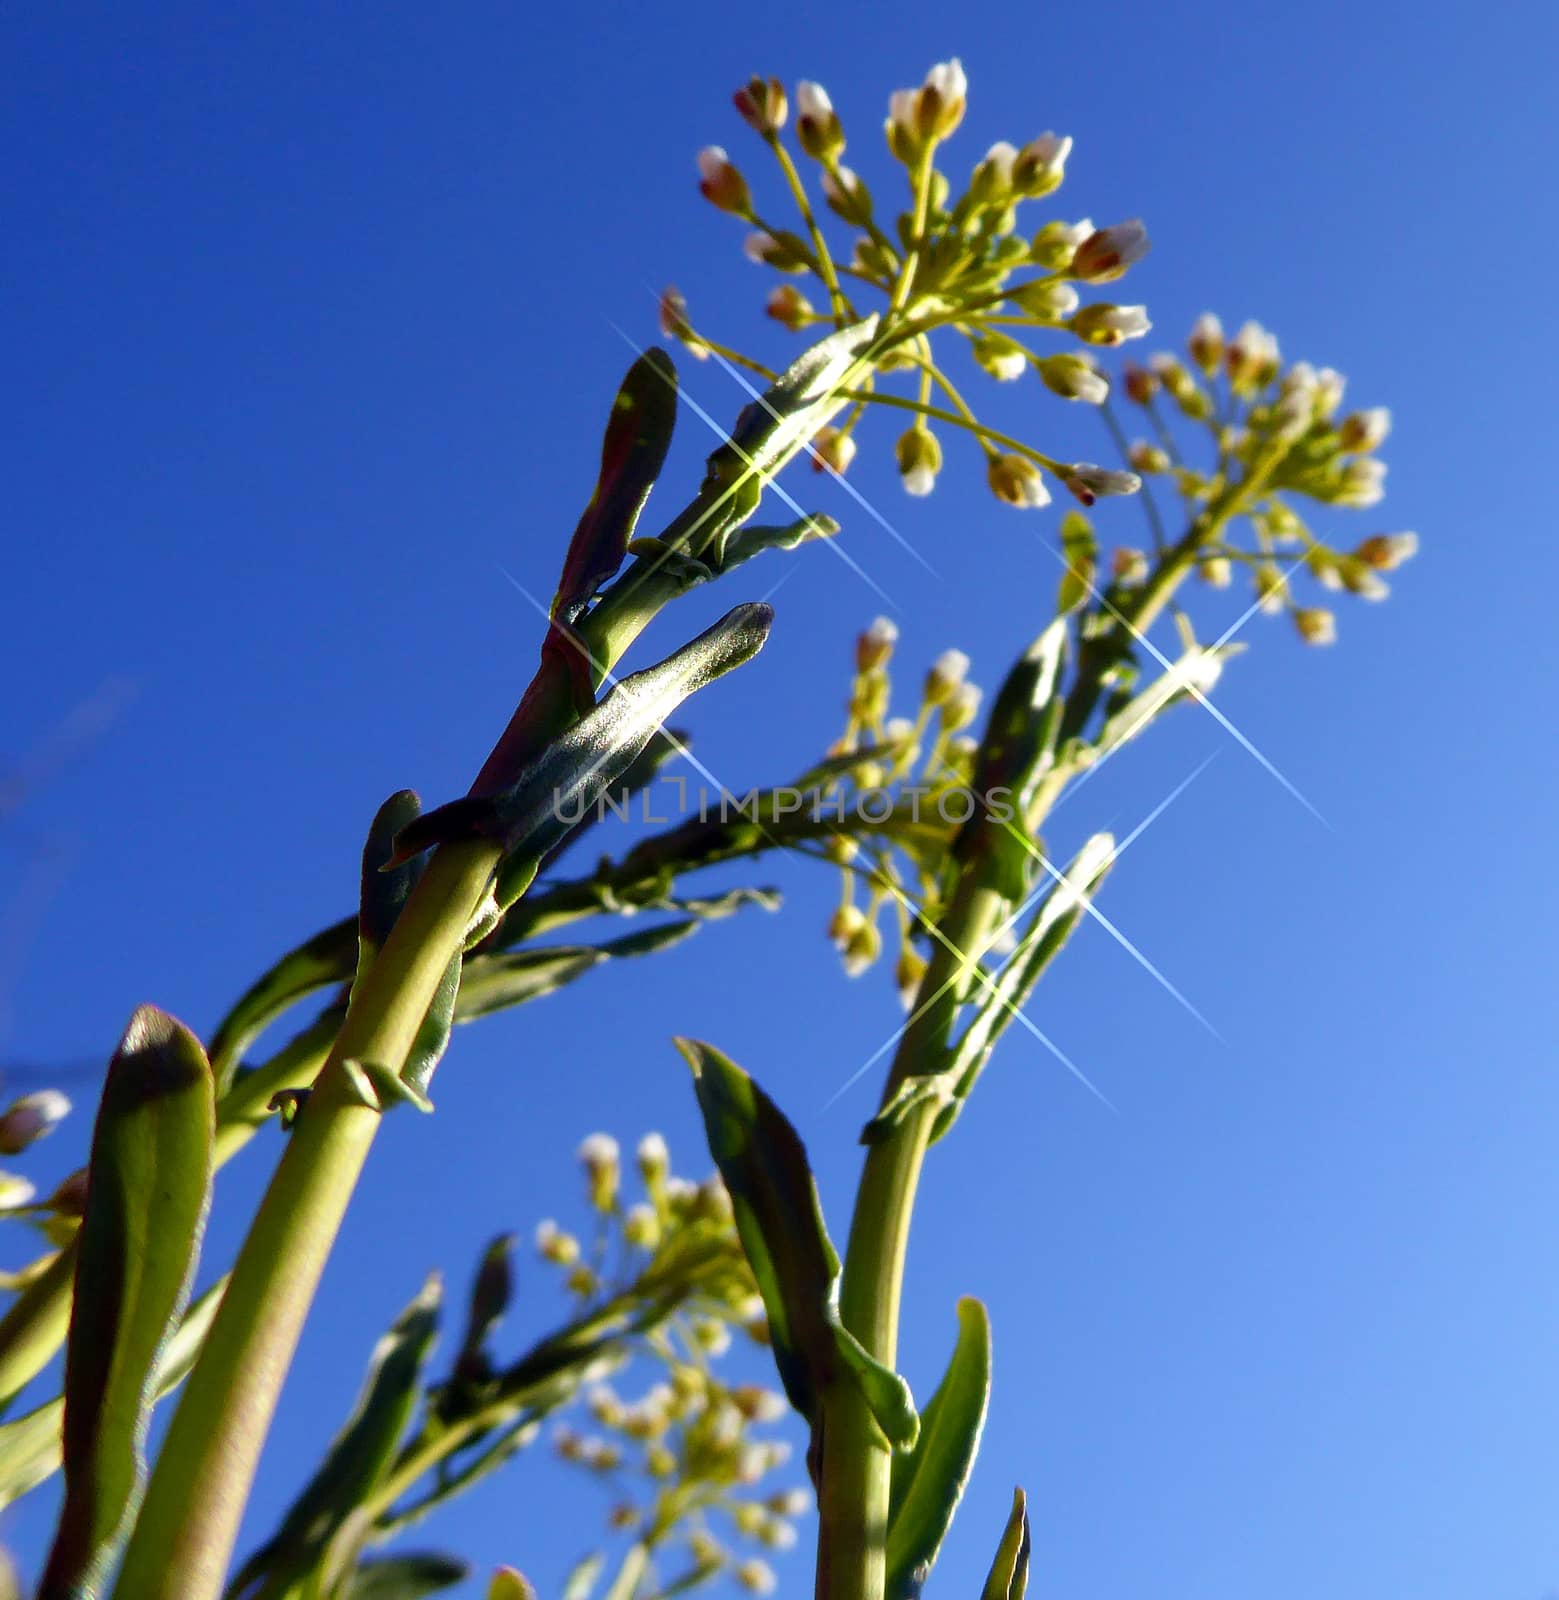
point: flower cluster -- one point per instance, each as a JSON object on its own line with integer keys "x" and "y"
{"x": 1278, "y": 433}
{"x": 685, "y": 1460}
{"x": 960, "y": 262}
{"x": 923, "y": 766}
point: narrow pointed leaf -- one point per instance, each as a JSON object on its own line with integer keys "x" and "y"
{"x": 1009, "y": 1574}
{"x": 148, "y": 1191}
{"x": 582, "y": 1580}
{"x": 405, "y": 1577}
{"x": 31, "y": 1445}
{"x": 552, "y": 794}
{"x": 359, "y": 1454}
{"x": 928, "y": 1481}
{"x": 745, "y": 543}
{"x": 638, "y": 434}
{"x": 768, "y": 432}
{"x": 780, "y": 1222}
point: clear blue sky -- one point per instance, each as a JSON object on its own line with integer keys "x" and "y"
{"x": 308, "y": 328}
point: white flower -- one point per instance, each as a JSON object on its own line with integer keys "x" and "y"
{"x": 1041, "y": 164}
{"x": 652, "y": 1154}
{"x": 1365, "y": 430}
{"x": 1206, "y": 342}
{"x": 1106, "y": 253}
{"x": 812, "y": 100}
{"x": 1088, "y": 482}
{"x": 1385, "y": 551}
{"x": 1110, "y": 325}
{"x": 947, "y": 78}
{"x": 1015, "y": 481}
{"x": 599, "y": 1150}
{"x": 1315, "y": 625}
{"x": 30, "y": 1118}
{"x": 1362, "y": 482}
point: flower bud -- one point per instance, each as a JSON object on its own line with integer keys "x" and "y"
{"x": 947, "y": 673}
{"x": 721, "y": 184}
{"x": 1041, "y": 165}
{"x": 1087, "y": 482}
{"x": 1051, "y": 302}
{"x": 1140, "y": 384}
{"x": 1251, "y": 358}
{"x": 1075, "y": 377}
{"x": 847, "y": 195}
{"x": 711, "y": 1336}
{"x": 1361, "y": 580}
{"x": 874, "y": 647}
{"x": 15, "y": 1192}
{"x": 1129, "y": 566}
{"x": 784, "y": 252}
{"x": 1316, "y": 625}
{"x": 789, "y": 307}
{"x": 1362, "y": 483}
{"x": 1329, "y": 387}
{"x": 1215, "y": 571}
{"x": 674, "y": 323}
{"x": 70, "y": 1198}
{"x": 1003, "y": 358}
{"x": 653, "y": 1157}
{"x": 817, "y": 123}
{"x": 758, "y": 1404}
{"x": 845, "y": 923}
{"x": 762, "y": 105}
{"x": 1271, "y": 589}
{"x": 756, "y": 1577}
{"x": 1110, "y": 325}
{"x": 30, "y": 1118}
{"x": 1385, "y": 551}
{"x": 1206, "y": 343}
{"x": 599, "y": 1156}
{"x": 1147, "y": 457}
{"x": 991, "y": 181}
{"x": 509, "y": 1584}
{"x": 962, "y": 707}
{"x": 1015, "y": 481}
{"x": 777, "y": 1535}
{"x": 919, "y": 458}
{"x": 861, "y": 949}
{"x": 939, "y": 106}
{"x": 562, "y": 1249}
{"x": 832, "y": 451}
{"x": 789, "y": 1503}
{"x": 1106, "y": 253}
{"x": 1055, "y": 245}
{"x": 641, "y": 1226}
{"x": 1181, "y": 387}
{"x": 1364, "y": 430}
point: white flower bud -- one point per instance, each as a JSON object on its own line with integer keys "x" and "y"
{"x": 1002, "y": 357}
{"x": 1365, "y": 430}
{"x": 919, "y": 457}
{"x": 1386, "y": 551}
{"x": 757, "y": 1577}
{"x": 1315, "y": 625}
{"x": 1362, "y": 482}
{"x": 846, "y": 195}
{"x": 1089, "y": 482}
{"x": 874, "y": 647}
{"x": 832, "y": 451}
{"x": 1075, "y": 377}
{"x": 1106, "y": 254}
{"x": 653, "y": 1157}
{"x": 1206, "y": 343}
{"x": 947, "y": 673}
{"x": 1041, "y": 165}
{"x": 1015, "y": 481}
{"x": 721, "y": 184}
{"x": 30, "y": 1118}
{"x": 15, "y": 1192}
{"x": 1110, "y": 325}
{"x": 817, "y": 123}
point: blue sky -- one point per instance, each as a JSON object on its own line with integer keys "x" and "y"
{"x": 310, "y": 323}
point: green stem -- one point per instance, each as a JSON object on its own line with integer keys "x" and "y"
{"x": 184, "y": 1536}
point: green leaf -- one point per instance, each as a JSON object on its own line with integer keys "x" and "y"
{"x": 497, "y": 982}
{"x": 31, "y": 1445}
{"x": 1009, "y": 1574}
{"x": 358, "y": 1456}
{"x": 491, "y": 1292}
{"x": 928, "y": 1481}
{"x": 1009, "y": 991}
{"x": 780, "y": 1222}
{"x": 638, "y": 434}
{"x": 746, "y": 543}
{"x": 1017, "y": 751}
{"x": 387, "y": 885}
{"x": 1081, "y": 551}
{"x": 325, "y": 959}
{"x": 582, "y": 1579}
{"x": 147, "y": 1196}
{"x": 767, "y": 434}
{"x": 405, "y": 1577}
{"x": 552, "y": 794}
{"x": 1195, "y": 671}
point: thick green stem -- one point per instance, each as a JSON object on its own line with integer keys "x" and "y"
{"x": 853, "y": 1499}
{"x": 185, "y": 1533}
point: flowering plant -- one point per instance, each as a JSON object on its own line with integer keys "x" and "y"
{"x": 932, "y": 825}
